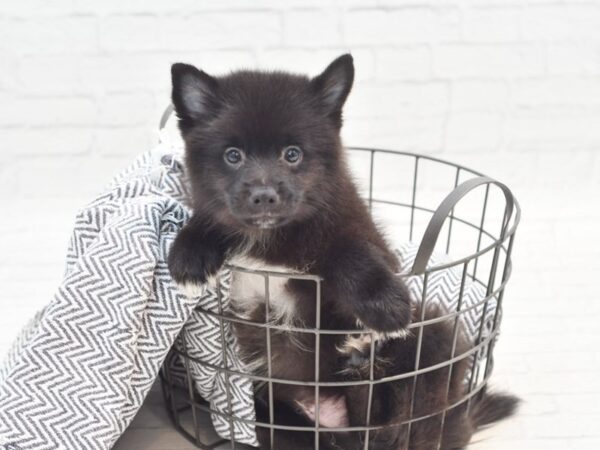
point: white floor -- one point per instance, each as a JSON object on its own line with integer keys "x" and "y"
{"x": 548, "y": 352}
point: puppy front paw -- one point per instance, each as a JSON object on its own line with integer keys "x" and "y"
{"x": 385, "y": 306}
{"x": 192, "y": 265}
{"x": 355, "y": 355}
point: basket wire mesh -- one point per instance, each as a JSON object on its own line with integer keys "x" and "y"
{"x": 488, "y": 265}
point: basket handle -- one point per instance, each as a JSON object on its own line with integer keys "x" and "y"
{"x": 165, "y": 116}
{"x": 440, "y": 215}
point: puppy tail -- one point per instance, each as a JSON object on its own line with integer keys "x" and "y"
{"x": 492, "y": 407}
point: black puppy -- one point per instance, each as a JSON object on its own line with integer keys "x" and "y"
{"x": 271, "y": 188}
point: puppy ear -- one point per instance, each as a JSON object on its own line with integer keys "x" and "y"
{"x": 194, "y": 92}
{"x": 334, "y": 84}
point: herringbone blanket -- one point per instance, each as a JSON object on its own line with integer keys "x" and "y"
{"x": 81, "y": 369}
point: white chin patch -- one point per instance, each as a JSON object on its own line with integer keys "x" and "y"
{"x": 265, "y": 223}
{"x": 192, "y": 290}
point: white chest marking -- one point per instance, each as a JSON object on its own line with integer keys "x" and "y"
{"x": 248, "y": 290}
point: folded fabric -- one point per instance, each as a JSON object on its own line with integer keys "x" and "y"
{"x": 476, "y": 312}
{"x": 80, "y": 370}
{"x": 443, "y": 290}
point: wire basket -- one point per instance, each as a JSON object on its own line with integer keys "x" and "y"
{"x": 458, "y": 212}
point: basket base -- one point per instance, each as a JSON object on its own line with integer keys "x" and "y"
{"x": 180, "y": 412}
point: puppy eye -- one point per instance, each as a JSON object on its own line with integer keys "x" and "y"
{"x": 292, "y": 154}
{"x": 233, "y": 155}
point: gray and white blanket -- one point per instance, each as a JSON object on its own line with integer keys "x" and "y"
{"x": 80, "y": 370}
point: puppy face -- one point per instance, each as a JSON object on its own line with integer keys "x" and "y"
{"x": 262, "y": 148}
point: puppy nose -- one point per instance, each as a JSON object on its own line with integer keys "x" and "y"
{"x": 263, "y": 197}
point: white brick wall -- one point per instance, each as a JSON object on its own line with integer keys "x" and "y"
{"x": 510, "y": 87}
{"x": 452, "y": 77}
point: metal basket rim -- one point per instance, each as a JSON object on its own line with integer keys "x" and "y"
{"x": 501, "y": 245}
